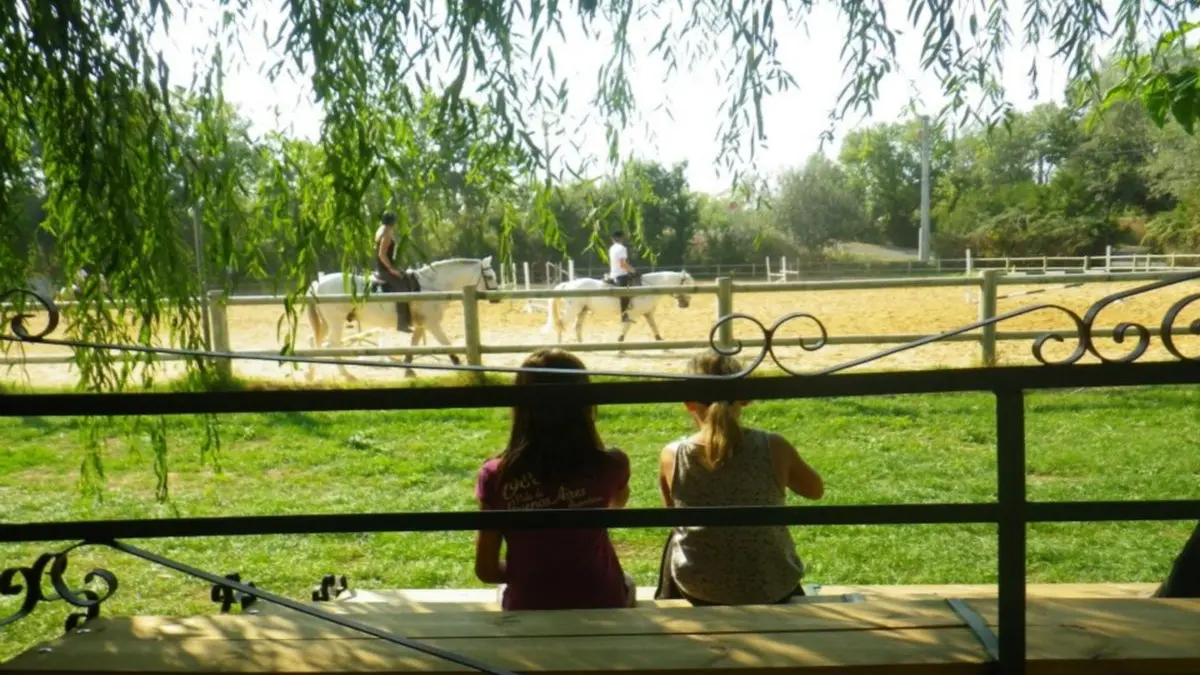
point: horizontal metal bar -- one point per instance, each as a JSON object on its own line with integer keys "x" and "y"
{"x": 1113, "y": 511}
{"x": 458, "y": 521}
{"x": 532, "y": 519}
{"x": 602, "y": 393}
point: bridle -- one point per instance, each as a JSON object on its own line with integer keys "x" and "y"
{"x": 489, "y": 286}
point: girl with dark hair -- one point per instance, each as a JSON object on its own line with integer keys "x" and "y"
{"x": 727, "y": 464}
{"x": 554, "y": 460}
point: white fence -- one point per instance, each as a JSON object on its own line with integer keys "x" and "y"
{"x": 986, "y": 283}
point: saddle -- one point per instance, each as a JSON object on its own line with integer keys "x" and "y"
{"x": 635, "y": 279}
{"x": 405, "y": 283}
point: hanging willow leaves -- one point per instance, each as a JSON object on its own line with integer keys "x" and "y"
{"x": 430, "y": 108}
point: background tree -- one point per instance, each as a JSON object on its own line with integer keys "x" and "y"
{"x": 816, "y": 205}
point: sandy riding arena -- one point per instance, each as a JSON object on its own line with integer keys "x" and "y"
{"x": 902, "y": 311}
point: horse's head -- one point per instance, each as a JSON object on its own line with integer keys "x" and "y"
{"x": 684, "y": 299}
{"x": 487, "y": 278}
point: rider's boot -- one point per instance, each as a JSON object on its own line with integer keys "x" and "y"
{"x": 625, "y": 311}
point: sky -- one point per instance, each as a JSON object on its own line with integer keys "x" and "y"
{"x": 794, "y": 120}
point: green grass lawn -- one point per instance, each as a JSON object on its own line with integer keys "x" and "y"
{"x": 1089, "y": 445}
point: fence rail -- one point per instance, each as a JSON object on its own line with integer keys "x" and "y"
{"x": 985, "y": 282}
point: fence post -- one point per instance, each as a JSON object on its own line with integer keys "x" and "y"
{"x": 970, "y": 263}
{"x": 725, "y": 307}
{"x": 987, "y": 310}
{"x": 1087, "y": 263}
{"x": 1045, "y": 264}
{"x": 1172, "y": 261}
{"x": 526, "y": 266}
{"x": 471, "y": 325}
{"x": 220, "y": 331}
{"x": 570, "y": 269}
{"x": 1108, "y": 258}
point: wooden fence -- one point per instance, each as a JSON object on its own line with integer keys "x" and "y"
{"x": 986, "y": 283}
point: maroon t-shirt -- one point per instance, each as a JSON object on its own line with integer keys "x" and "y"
{"x": 558, "y": 569}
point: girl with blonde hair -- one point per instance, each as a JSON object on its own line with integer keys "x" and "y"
{"x": 727, "y": 464}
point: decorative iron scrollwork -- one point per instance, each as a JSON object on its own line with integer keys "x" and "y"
{"x": 29, "y": 581}
{"x": 322, "y": 591}
{"x": 17, "y": 324}
{"x": 1085, "y": 332}
{"x": 227, "y": 597}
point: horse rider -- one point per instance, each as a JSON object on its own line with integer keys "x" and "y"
{"x": 620, "y": 271}
{"x": 393, "y": 281}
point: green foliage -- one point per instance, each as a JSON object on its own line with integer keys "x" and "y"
{"x": 816, "y": 205}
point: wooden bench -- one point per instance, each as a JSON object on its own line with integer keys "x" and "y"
{"x": 1092, "y": 636}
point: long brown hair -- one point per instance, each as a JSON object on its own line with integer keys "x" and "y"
{"x": 720, "y": 433}
{"x": 550, "y": 439}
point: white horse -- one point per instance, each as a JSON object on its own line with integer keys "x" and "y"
{"x": 563, "y": 310}
{"x": 328, "y": 319}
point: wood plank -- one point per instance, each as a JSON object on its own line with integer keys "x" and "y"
{"x": 1121, "y": 615}
{"x": 882, "y": 614}
{"x": 952, "y": 651}
{"x": 397, "y": 604}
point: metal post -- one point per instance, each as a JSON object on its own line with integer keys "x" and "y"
{"x": 526, "y": 266}
{"x": 970, "y": 263}
{"x": 471, "y": 325}
{"x": 923, "y": 235}
{"x": 198, "y": 241}
{"x": 1010, "y": 470}
{"x": 987, "y": 310}
{"x": 725, "y": 308}
{"x": 220, "y": 331}
{"x": 570, "y": 269}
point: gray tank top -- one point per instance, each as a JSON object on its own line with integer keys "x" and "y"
{"x": 732, "y": 565}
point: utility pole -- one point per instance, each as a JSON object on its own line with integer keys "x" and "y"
{"x": 926, "y": 151}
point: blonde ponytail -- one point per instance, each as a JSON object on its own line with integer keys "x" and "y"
{"x": 720, "y": 433}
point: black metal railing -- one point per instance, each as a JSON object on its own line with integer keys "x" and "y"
{"x": 1011, "y": 512}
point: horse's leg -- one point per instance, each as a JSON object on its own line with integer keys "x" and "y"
{"x": 621, "y": 338}
{"x": 335, "y": 341}
{"x": 653, "y": 326}
{"x": 436, "y": 331}
{"x": 418, "y": 336}
{"x": 579, "y": 324}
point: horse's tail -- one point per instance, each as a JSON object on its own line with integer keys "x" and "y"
{"x": 314, "y": 316}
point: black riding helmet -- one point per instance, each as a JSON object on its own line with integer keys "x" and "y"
{"x": 388, "y": 218}
{"x": 617, "y": 234}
